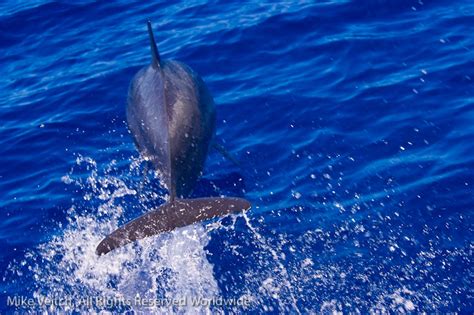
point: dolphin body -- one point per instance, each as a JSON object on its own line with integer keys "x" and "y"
{"x": 171, "y": 115}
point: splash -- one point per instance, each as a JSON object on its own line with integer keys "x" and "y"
{"x": 275, "y": 270}
{"x": 152, "y": 275}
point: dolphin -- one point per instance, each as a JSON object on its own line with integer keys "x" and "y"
{"x": 171, "y": 116}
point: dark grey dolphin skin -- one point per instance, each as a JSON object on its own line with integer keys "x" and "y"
{"x": 171, "y": 115}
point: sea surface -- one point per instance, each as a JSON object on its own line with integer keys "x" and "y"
{"x": 353, "y": 126}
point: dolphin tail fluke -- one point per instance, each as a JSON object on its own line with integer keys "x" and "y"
{"x": 171, "y": 215}
{"x": 155, "y": 55}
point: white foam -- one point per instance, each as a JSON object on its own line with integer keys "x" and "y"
{"x": 170, "y": 266}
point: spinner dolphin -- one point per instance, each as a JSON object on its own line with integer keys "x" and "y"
{"x": 171, "y": 115}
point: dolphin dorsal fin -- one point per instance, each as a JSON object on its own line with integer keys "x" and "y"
{"x": 155, "y": 55}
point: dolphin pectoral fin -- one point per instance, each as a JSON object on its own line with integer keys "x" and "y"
{"x": 171, "y": 215}
{"x": 220, "y": 148}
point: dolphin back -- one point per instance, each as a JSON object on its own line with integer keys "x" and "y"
{"x": 191, "y": 126}
{"x": 148, "y": 121}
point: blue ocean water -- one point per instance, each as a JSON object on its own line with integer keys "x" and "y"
{"x": 352, "y": 122}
